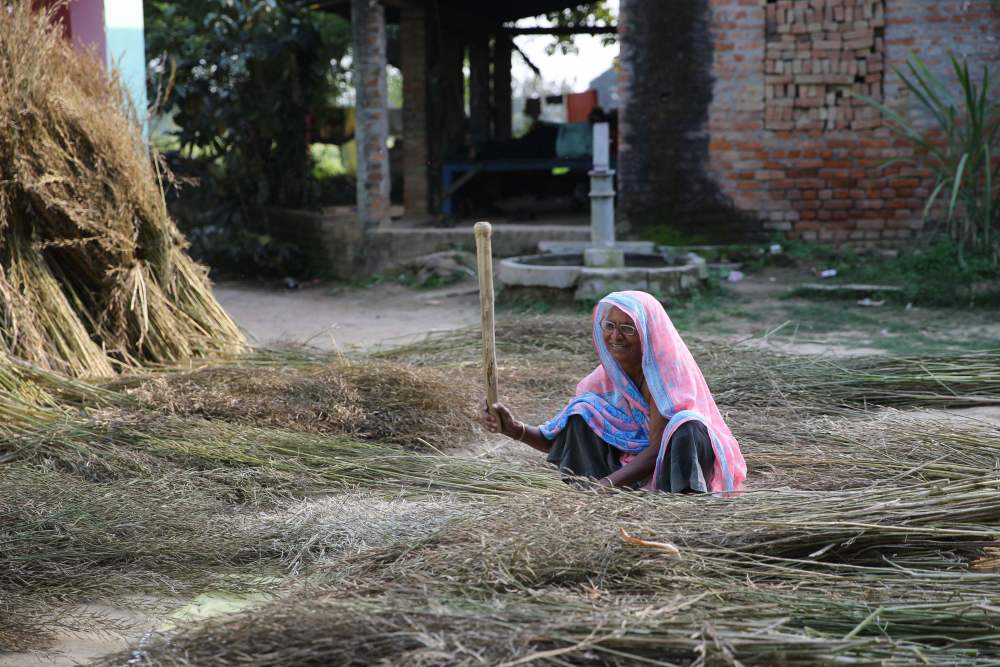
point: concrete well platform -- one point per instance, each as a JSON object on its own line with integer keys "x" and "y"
{"x": 563, "y": 272}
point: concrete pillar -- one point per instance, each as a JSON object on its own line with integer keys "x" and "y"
{"x": 372, "y": 111}
{"x": 413, "y": 35}
{"x": 602, "y": 252}
{"x": 503, "y": 110}
{"x": 479, "y": 88}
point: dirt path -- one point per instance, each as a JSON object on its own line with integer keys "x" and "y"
{"x": 757, "y": 310}
{"x": 346, "y": 318}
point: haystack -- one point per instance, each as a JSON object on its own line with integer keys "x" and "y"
{"x": 369, "y": 399}
{"x": 93, "y": 273}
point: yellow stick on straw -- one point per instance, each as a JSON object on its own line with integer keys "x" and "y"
{"x": 484, "y": 263}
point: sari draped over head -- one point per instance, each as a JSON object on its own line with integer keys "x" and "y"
{"x": 615, "y": 409}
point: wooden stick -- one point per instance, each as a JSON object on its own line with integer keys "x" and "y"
{"x": 484, "y": 263}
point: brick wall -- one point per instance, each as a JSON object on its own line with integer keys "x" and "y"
{"x": 789, "y": 151}
{"x": 818, "y": 56}
{"x": 665, "y": 78}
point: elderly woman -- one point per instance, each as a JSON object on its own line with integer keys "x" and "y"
{"x": 647, "y": 391}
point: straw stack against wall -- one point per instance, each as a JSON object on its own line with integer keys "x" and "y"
{"x": 93, "y": 273}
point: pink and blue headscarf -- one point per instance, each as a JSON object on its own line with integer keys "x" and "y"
{"x": 615, "y": 409}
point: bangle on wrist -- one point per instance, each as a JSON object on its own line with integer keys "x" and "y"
{"x": 524, "y": 429}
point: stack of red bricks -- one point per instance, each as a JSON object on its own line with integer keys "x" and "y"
{"x": 817, "y": 51}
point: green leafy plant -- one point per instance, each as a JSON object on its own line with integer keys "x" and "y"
{"x": 245, "y": 76}
{"x": 962, "y": 160}
{"x": 930, "y": 274}
{"x": 594, "y": 14}
{"x": 240, "y": 81}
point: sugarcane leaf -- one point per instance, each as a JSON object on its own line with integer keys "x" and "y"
{"x": 988, "y": 195}
{"x": 974, "y": 124}
{"x": 895, "y": 160}
{"x": 934, "y": 195}
{"x": 957, "y": 184}
{"x": 902, "y": 126}
{"x": 923, "y": 87}
{"x": 929, "y": 81}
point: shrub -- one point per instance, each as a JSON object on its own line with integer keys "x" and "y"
{"x": 962, "y": 163}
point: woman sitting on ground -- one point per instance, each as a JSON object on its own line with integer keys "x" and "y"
{"x": 647, "y": 390}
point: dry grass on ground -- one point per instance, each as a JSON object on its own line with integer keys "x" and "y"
{"x": 866, "y": 535}
{"x": 846, "y": 577}
{"x": 372, "y": 400}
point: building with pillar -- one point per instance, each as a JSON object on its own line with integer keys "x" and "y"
{"x": 435, "y": 38}
{"x": 738, "y": 118}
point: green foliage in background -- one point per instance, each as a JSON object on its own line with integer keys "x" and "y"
{"x": 930, "y": 274}
{"x": 327, "y": 161}
{"x": 240, "y": 77}
{"x": 592, "y": 14}
{"x": 671, "y": 235}
{"x": 240, "y": 80}
{"x": 940, "y": 274}
{"x": 962, "y": 160}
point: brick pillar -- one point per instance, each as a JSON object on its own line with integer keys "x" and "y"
{"x": 413, "y": 35}
{"x": 626, "y": 67}
{"x": 479, "y": 88}
{"x": 502, "y": 91}
{"x": 372, "y": 110}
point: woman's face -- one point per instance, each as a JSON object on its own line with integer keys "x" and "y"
{"x": 623, "y": 345}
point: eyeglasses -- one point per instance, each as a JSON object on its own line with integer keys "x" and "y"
{"x": 610, "y": 327}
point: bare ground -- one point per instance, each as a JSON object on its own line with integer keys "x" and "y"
{"x": 344, "y": 318}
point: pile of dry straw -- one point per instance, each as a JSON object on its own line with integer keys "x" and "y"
{"x": 93, "y": 274}
{"x": 868, "y": 535}
{"x": 372, "y": 400}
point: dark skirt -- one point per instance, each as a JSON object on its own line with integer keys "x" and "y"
{"x": 578, "y": 451}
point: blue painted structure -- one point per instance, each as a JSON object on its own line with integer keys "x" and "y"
{"x": 126, "y": 48}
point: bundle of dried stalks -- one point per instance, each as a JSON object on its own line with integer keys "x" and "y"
{"x": 328, "y": 528}
{"x": 805, "y": 539}
{"x": 786, "y": 447}
{"x": 367, "y": 399}
{"x": 739, "y": 376}
{"x": 31, "y": 397}
{"x": 63, "y": 539}
{"x": 400, "y": 625}
{"x": 249, "y": 461}
{"x": 848, "y": 577}
{"x": 93, "y": 273}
